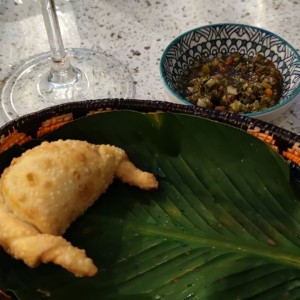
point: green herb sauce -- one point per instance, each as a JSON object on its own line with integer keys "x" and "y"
{"x": 234, "y": 83}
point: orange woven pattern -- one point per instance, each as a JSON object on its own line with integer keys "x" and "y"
{"x": 264, "y": 136}
{"x": 54, "y": 123}
{"x": 100, "y": 110}
{"x": 13, "y": 138}
{"x": 293, "y": 154}
{"x": 19, "y": 138}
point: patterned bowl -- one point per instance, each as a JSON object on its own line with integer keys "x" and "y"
{"x": 209, "y": 41}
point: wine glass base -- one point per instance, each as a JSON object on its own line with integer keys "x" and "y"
{"x": 105, "y": 77}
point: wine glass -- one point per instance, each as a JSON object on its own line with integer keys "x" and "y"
{"x": 63, "y": 75}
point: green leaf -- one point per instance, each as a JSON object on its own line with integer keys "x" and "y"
{"x": 224, "y": 223}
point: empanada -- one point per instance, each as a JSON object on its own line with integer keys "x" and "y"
{"x": 45, "y": 189}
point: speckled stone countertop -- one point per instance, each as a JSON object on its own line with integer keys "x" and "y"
{"x": 137, "y": 32}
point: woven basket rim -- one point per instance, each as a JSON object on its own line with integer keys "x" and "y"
{"x": 81, "y": 108}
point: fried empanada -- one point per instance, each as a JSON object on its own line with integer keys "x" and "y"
{"x": 48, "y": 187}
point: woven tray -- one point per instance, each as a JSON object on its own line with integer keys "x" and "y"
{"x": 35, "y": 125}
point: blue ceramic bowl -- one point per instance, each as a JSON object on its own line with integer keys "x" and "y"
{"x": 209, "y": 41}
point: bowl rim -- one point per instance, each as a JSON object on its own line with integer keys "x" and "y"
{"x": 269, "y": 110}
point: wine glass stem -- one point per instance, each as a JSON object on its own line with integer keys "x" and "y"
{"x": 57, "y": 49}
{"x": 61, "y": 72}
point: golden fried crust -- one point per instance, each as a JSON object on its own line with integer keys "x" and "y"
{"x": 43, "y": 191}
{"x": 23, "y": 241}
{"x": 54, "y": 183}
{"x": 127, "y": 172}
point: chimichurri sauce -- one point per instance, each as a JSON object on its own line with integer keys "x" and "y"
{"x": 233, "y": 83}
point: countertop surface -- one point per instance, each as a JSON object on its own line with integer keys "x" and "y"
{"x": 137, "y": 32}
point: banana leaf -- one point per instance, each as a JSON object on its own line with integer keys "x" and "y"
{"x": 224, "y": 223}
